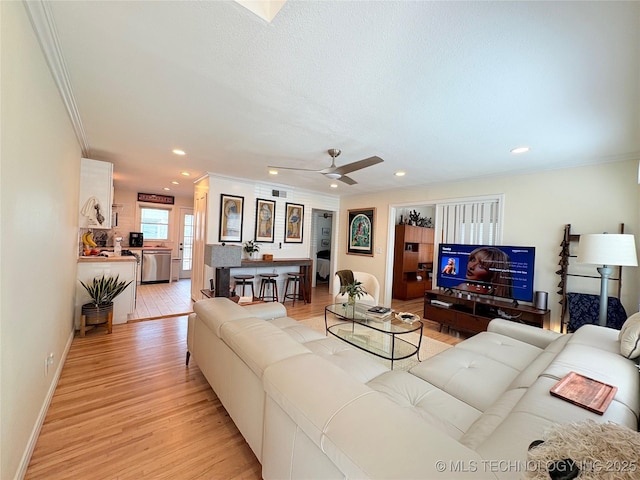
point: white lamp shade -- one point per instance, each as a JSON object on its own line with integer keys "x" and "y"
{"x": 223, "y": 256}
{"x": 608, "y": 249}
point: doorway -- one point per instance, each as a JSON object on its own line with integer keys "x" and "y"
{"x": 322, "y": 246}
{"x": 186, "y": 242}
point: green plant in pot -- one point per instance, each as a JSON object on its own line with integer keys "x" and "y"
{"x": 251, "y": 248}
{"x": 354, "y": 291}
{"x": 102, "y": 291}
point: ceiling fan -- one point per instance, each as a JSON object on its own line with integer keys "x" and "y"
{"x": 339, "y": 173}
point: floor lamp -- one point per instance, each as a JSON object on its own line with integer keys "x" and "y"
{"x": 608, "y": 250}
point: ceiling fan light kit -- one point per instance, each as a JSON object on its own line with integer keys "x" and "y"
{"x": 339, "y": 173}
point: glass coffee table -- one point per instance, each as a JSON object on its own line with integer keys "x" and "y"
{"x": 386, "y": 337}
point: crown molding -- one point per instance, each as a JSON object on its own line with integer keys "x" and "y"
{"x": 41, "y": 17}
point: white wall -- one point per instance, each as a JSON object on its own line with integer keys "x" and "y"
{"x": 40, "y": 175}
{"x": 593, "y": 199}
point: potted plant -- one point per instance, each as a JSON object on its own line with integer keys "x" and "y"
{"x": 354, "y": 291}
{"x": 102, "y": 291}
{"x": 251, "y": 248}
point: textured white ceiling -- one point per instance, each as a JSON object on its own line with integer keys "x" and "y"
{"x": 442, "y": 90}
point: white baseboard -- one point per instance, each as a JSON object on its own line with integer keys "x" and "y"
{"x": 33, "y": 438}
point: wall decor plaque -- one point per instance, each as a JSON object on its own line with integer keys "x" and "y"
{"x": 153, "y": 198}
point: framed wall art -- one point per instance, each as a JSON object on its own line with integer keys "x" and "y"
{"x": 293, "y": 221}
{"x": 231, "y": 212}
{"x": 265, "y": 215}
{"x": 360, "y": 231}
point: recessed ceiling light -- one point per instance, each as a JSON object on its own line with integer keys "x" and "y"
{"x": 334, "y": 185}
{"x": 400, "y": 173}
{"x": 520, "y": 150}
{"x": 185, "y": 174}
{"x": 175, "y": 183}
{"x": 166, "y": 188}
{"x": 273, "y": 172}
{"x": 177, "y": 151}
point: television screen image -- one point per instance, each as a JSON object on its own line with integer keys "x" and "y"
{"x": 496, "y": 270}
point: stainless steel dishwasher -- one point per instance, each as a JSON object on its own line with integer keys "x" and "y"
{"x": 156, "y": 266}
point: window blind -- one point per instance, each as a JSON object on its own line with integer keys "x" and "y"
{"x": 470, "y": 222}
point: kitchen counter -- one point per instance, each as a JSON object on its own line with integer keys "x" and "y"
{"x": 97, "y": 258}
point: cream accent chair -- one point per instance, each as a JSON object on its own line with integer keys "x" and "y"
{"x": 369, "y": 283}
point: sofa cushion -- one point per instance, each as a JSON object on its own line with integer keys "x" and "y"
{"x": 467, "y": 375}
{"x": 329, "y": 387}
{"x": 503, "y": 349}
{"x": 431, "y": 404}
{"x": 601, "y": 338}
{"x": 485, "y": 425}
{"x": 266, "y": 310}
{"x": 540, "y": 364}
{"x": 538, "y": 401}
{"x": 215, "y": 312}
{"x": 359, "y": 365}
{"x": 525, "y": 333}
{"x": 604, "y": 366}
{"x": 297, "y": 330}
{"x": 258, "y": 343}
{"x": 630, "y": 337}
{"x": 360, "y": 429}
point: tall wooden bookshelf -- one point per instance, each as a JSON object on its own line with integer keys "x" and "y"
{"x": 412, "y": 262}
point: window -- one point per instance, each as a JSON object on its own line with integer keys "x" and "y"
{"x": 154, "y": 223}
{"x": 187, "y": 242}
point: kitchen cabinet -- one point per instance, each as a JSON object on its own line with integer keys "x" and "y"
{"x": 91, "y": 267}
{"x": 96, "y": 194}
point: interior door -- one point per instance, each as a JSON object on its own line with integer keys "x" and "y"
{"x": 186, "y": 242}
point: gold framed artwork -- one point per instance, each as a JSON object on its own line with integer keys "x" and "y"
{"x": 360, "y": 231}
{"x": 265, "y": 215}
{"x": 293, "y": 222}
{"x": 231, "y": 213}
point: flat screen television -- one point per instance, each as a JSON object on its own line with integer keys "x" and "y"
{"x": 496, "y": 270}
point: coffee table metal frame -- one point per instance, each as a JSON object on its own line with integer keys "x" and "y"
{"x": 389, "y": 331}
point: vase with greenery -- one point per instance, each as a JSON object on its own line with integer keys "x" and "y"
{"x": 354, "y": 291}
{"x": 251, "y": 248}
{"x": 102, "y": 290}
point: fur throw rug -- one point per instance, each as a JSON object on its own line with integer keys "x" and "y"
{"x": 599, "y": 450}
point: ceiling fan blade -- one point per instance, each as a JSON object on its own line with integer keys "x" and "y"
{"x": 294, "y": 168}
{"x": 347, "y": 180}
{"x": 352, "y": 167}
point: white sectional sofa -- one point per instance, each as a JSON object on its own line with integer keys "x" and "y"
{"x": 311, "y": 406}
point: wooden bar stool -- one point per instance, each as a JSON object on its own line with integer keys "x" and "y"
{"x": 299, "y": 289}
{"x": 242, "y": 281}
{"x": 268, "y": 284}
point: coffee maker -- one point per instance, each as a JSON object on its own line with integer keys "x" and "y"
{"x": 135, "y": 239}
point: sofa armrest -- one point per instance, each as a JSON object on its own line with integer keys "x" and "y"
{"x": 266, "y": 310}
{"x": 536, "y": 336}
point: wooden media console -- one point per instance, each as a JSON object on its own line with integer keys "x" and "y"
{"x": 472, "y": 313}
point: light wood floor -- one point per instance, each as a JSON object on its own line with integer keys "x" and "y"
{"x": 127, "y": 407}
{"x": 157, "y": 300}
